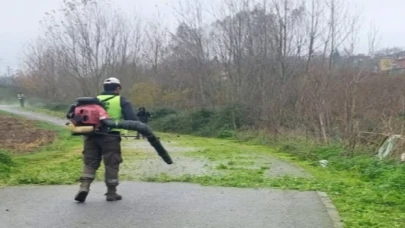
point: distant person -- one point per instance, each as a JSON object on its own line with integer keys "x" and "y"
{"x": 143, "y": 116}
{"x": 21, "y": 99}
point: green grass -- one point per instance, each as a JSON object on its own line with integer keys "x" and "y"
{"x": 57, "y": 163}
{"x": 366, "y": 192}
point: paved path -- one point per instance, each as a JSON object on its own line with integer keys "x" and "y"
{"x": 33, "y": 115}
{"x": 169, "y": 205}
{"x": 156, "y": 205}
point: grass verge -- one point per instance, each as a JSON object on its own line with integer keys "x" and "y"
{"x": 55, "y": 163}
{"x": 366, "y": 192}
{"x": 58, "y": 114}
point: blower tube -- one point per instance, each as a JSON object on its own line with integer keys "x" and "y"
{"x": 144, "y": 130}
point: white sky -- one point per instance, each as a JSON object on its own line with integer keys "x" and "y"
{"x": 19, "y": 21}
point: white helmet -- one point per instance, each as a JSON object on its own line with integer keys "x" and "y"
{"x": 112, "y": 80}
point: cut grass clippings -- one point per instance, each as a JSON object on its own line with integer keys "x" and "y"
{"x": 19, "y": 135}
{"x": 53, "y": 163}
{"x": 361, "y": 202}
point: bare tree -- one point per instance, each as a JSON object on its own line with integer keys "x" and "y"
{"x": 190, "y": 40}
{"x": 294, "y": 65}
{"x": 91, "y": 40}
{"x": 373, "y": 39}
{"x": 313, "y": 29}
{"x": 156, "y": 44}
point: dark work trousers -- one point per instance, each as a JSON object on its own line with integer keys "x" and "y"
{"x": 22, "y": 103}
{"x": 106, "y": 148}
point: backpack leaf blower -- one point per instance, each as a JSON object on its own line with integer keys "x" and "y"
{"x": 89, "y": 117}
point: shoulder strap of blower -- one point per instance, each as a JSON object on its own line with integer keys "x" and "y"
{"x": 107, "y": 99}
{"x": 120, "y": 131}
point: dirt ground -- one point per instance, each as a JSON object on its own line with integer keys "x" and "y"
{"x": 20, "y": 136}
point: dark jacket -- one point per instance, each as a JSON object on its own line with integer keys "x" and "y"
{"x": 143, "y": 116}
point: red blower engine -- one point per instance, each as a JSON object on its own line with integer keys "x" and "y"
{"x": 86, "y": 116}
{"x": 89, "y": 117}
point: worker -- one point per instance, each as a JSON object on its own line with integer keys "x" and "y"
{"x": 21, "y": 99}
{"x": 143, "y": 116}
{"x": 107, "y": 146}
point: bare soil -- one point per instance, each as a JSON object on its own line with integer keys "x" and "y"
{"x": 20, "y": 135}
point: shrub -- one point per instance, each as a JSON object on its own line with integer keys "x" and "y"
{"x": 221, "y": 123}
{"x": 162, "y": 112}
{"x": 6, "y": 162}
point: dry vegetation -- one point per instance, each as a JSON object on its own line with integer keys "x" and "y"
{"x": 21, "y": 136}
{"x": 286, "y": 66}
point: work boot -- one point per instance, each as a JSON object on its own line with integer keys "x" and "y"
{"x": 83, "y": 190}
{"x": 111, "y": 194}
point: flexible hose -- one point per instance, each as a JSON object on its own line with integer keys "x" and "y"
{"x": 144, "y": 130}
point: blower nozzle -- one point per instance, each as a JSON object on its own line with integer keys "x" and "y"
{"x": 144, "y": 130}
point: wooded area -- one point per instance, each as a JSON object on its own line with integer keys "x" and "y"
{"x": 287, "y": 66}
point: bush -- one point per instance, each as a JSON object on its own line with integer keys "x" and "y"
{"x": 173, "y": 123}
{"x": 201, "y": 119}
{"x": 162, "y": 112}
{"x": 219, "y": 123}
{"x": 226, "y": 134}
{"x": 6, "y": 159}
{"x": 6, "y": 162}
{"x": 7, "y": 95}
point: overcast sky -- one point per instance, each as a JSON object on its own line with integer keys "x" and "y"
{"x": 19, "y": 21}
